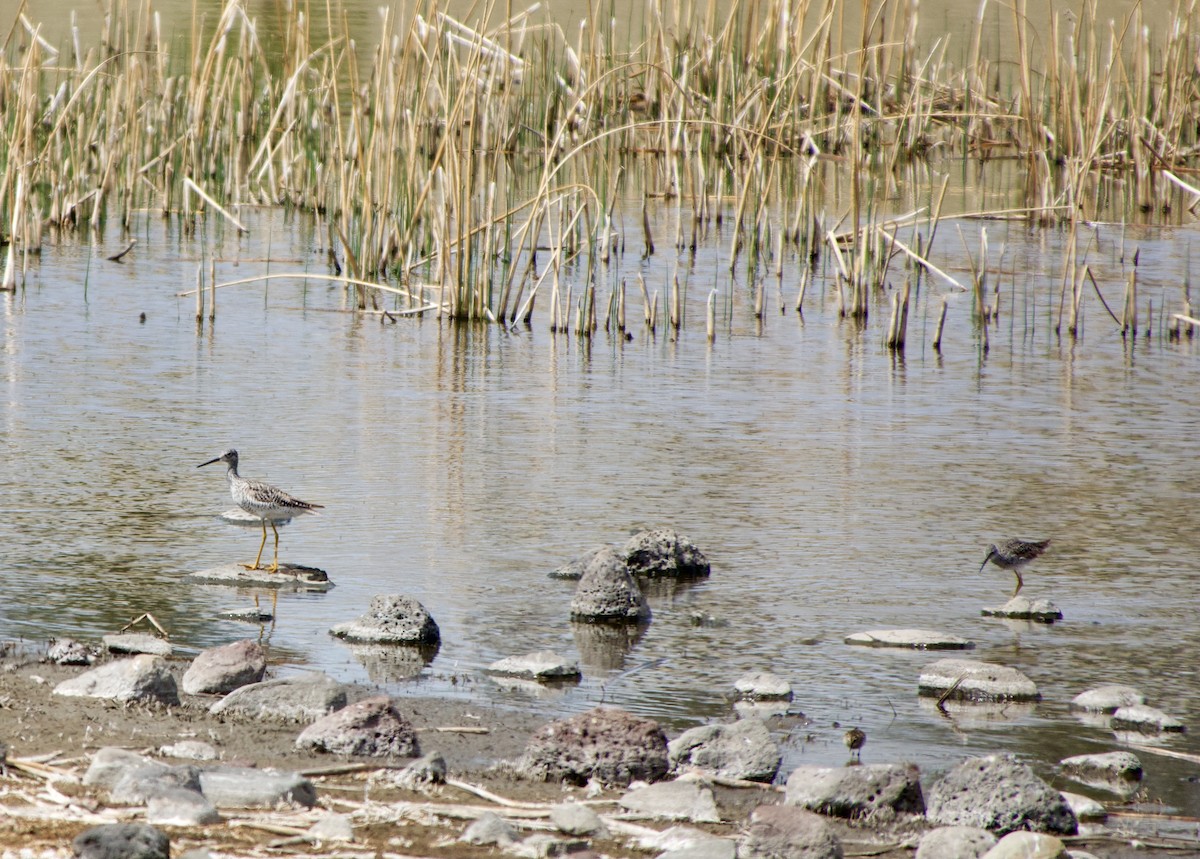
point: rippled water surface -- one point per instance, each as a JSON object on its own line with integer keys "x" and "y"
{"x": 835, "y": 487}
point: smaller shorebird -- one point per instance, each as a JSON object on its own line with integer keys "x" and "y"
{"x": 1014, "y": 554}
{"x": 855, "y": 739}
{"x": 263, "y": 501}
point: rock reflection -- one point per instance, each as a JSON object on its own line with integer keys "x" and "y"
{"x": 603, "y": 646}
{"x": 966, "y": 715}
{"x": 392, "y": 662}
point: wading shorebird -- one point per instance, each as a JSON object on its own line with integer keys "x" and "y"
{"x": 263, "y": 501}
{"x": 855, "y": 739}
{"x": 1014, "y": 554}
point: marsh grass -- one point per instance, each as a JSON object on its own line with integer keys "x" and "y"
{"x": 464, "y": 169}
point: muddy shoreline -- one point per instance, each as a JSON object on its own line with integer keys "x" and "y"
{"x": 44, "y": 806}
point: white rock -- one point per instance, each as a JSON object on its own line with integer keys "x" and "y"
{"x": 1023, "y": 608}
{"x": 763, "y": 685}
{"x": 673, "y": 800}
{"x": 1145, "y": 720}
{"x": 1027, "y": 845}
{"x": 541, "y": 665}
{"x": 139, "y": 678}
{"x": 976, "y": 681}
{"x": 1087, "y": 810}
{"x": 915, "y": 639}
{"x": 1106, "y": 699}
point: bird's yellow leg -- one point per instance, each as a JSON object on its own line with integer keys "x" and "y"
{"x": 1020, "y": 582}
{"x": 255, "y": 566}
{"x": 275, "y": 564}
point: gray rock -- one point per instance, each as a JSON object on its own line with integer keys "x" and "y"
{"x": 674, "y": 838}
{"x": 543, "y": 845}
{"x": 999, "y": 794}
{"x": 742, "y": 750}
{"x": 137, "y": 642}
{"x": 194, "y": 750}
{"x": 572, "y": 818}
{"x": 1086, "y": 809}
{"x": 607, "y": 592}
{"x": 1023, "y": 608}
{"x": 573, "y": 569}
{"x": 490, "y": 829}
{"x": 662, "y": 552}
{"x": 180, "y": 807}
{"x": 248, "y": 787}
{"x": 424, "y": 772}
{"x": 110, "y": 764}
{"x": 976, "y": 681}
{"x": 222, "y": 669}
{"x": 301, "y": 698}
{"x": 955, "y": 842}
{"x": 141, "y": 678}
{"x": 788, "y": 832}
{"x": 1106, "y": 699}
{"x": 136, "y": 785}
{"x": 391, "y": 619}
{"x": 709, "y": 848}
{"x": 1144, "y": 720}
{"x": 1119, "y": 772}
{"x": 858, "y": 791}
{"x": 372, "y": 727}
{"x": 1027, "y": 845}
{"x": 332, "y": 827}
{"x": 68, "y": 651}
{"x": 673, "y": 800}
{"x": 913, "y": 639}
{"x": 289, "y": 577}
{"x": 122, "y": 841}
{"x": 541, "y": 665}
{"x": 763, "y": 686}
{"x": 605, "y": 744}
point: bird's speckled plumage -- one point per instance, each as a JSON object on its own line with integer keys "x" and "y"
{"x": 1014, "y": 554}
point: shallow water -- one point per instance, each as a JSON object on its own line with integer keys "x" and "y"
{"x": 835, "y": 488}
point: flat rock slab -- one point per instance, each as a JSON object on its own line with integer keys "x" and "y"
{"x": 303, "y": 698}
{"x": 968, "y": 680}
{"x": 140, "y": 678}
{"x": 857, "y": 792}
{"x": 249, "y": 787}
{"x": 180, "y": 807}
{"x": 915, "y": 639}
{"x": 763, "y": 686}
{"x": 238, "y": 516}
{"x": 391, "y": 619}
{"x": 1106, "y": 699}
{"x": 137, "y": 642}
{"x": 295, "y": 577}
{"x": 1001, "y": 795}
{"x": 1023, "y": 608}
{"x": 542, "y": 665}
{"x": 1145, "y": 720}
{"x": 673, "y": 800}
{"x": 109, "y": 765}
{"x": 1119, "y": 772}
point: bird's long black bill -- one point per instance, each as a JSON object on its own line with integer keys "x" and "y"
{"x": 218, "y": 459}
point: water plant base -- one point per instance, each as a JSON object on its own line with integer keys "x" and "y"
{"x": 294, "y": 577}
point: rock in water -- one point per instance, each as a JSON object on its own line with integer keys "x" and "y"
{"x": 391, "y": 619}
{"x": 605, "y": 744}
{"x": 573, "y": 569}
{"x": 664, "y": 553}
{"x": 608, "y": 593}
{"x": 969, "y": 680}
{"x": 372, "y": 727}
{"x": 222, "y": 669}
{"x": 1001, "y": 795}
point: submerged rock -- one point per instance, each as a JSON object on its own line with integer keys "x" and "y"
{"x": 1023, "y": 608}
{"x": 1119, "y": 772}
{"x": 915, "y": 639}
{"x": 763, "y": 686}
{"x": 141, "y": 678}
{"x": 181, "y": 807}
{"x": 1001, "y": 795}
{"x": 222, "y": 669}
{"x": 608, "y": 593}
{"x": 391, "y": 619}
{"x": 742, "y": 750}
{"x": 372, "y": 727}
{"x": 976, "y": 681}
{"x": 1106, "y": 699}
{"x": 858, "y": 791}
{"x": 1145, "y": 720}
{"x": 662, "y": 552}
{"x": 542, "y": 665}
{"x": 605, "y": 744}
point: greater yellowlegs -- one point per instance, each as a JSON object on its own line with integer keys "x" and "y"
{"x": 1014, "y": 554}
{"x": 855, "y": 739}
{"x": 262, "y": 500}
